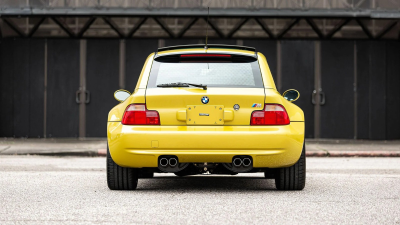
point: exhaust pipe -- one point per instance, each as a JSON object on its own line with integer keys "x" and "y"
{"x": 164, "y": 162}
{"x": 170, "y": 164}
{"x": 240, "y": 164}
{"x": 173, "y": 162}
{"x": 237, "y": 162}
{"x": 246, "y": 162}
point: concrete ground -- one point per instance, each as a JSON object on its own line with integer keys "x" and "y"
{"x": 97, "y": 147}
{"x": 73, "y": 190}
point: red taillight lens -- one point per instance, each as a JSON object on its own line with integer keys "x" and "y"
{"x": 273, "y": 114}
{"x": 137, "y": 114}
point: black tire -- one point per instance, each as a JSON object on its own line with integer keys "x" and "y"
{"x": 120, "y": 178}
{"x": 294, "y": 177}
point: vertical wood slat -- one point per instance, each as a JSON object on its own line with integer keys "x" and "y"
{"x": 355, "y": 97}
{"x": 122, "y": 61}
{"x": 22, "y": 88}
{"x": 63, "y": 82}
{"x": 7, "y": 90}
{"x": 36, "y": 87}
{"x": 82, "y": 88}
{"x": 317, "y": 87}
{"x": 371, "y": 90}
{"x": 363, "y": 92}
{"x": 377, "y": 86}
{"x": 45, "y": 91}
{"x": 337, "y": 78}
{"x": 392, "y": 90}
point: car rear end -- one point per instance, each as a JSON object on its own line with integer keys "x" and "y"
{"x": 239, "y": 121}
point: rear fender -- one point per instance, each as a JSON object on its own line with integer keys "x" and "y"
{"x": 116, "y": 113}
{"x": 273, "y": 97}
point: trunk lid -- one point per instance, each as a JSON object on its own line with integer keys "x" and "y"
{"x": 184, "y": 106}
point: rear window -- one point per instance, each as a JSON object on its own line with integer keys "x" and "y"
{"x": 211, "y": 71}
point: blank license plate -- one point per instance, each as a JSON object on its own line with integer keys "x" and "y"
{"x": 205, "y": 115}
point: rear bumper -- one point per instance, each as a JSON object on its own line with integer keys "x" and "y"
{"x": 270, "y": 146}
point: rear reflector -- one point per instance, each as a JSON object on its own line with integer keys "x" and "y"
{"x": 273, "y": 114}
{"x": 205, "y": 55}
{"x": 137, "y": 114}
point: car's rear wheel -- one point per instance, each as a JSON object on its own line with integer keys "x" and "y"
{"x": 120, "y": 178}
{"x": 294, "y": 177}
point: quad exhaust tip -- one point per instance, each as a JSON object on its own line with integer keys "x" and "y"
{"x": 246, "y": 162}
{"x": 237, "y": 162}
{"x": 173, "y": 162}
{"x": 240, "y": 164}
{"x": 164, "y": 162}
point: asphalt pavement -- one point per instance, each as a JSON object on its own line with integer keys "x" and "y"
{"x": 73, "y": 190}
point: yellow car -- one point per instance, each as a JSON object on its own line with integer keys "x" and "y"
{"x": 211, "y": 109}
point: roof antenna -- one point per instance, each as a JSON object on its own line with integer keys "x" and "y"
{"x": 208, "y": 15}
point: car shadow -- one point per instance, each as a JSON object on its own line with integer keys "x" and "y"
{"x": 206, "y": 183}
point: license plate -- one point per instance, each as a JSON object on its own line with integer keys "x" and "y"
{"x": 205, "y": 115}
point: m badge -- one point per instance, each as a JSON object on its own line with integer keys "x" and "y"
{"x": 256, "y": 105}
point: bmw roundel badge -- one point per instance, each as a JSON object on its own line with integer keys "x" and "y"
{"x": 205, "y": 99}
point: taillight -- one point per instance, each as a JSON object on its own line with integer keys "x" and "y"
{"x": 137, "y": 114}
{"x": 273, "y": 114}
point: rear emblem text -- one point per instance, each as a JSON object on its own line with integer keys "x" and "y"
{"x": 256, "y": 105}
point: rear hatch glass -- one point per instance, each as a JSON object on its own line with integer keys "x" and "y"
{"x": 213, "y": 71}
{"x": 234, "y": 89}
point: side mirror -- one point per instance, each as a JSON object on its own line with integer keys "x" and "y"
{"x": 291, "y": 95}
{"x": 121, "y": 95}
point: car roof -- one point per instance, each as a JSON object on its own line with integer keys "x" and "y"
{"x": 208, "y": 46}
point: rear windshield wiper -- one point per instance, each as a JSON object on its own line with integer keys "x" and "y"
{"x": 179, "y": 84}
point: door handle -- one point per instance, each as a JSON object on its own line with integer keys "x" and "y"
{"x": 87, "y": 96}
{"x": 322, "y": 94}
{"x": 321, "y": 97}
{"x": 77, "y": 95}
{"x": 314, "y": 93}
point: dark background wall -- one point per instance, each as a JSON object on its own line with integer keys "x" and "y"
{"x": 102, "y": 80}
{"x": 337, "y": 82}
{"x": 62, "y": 113}
{"x": 21, "y": 88}
{"x": 360, "y": 80}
